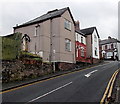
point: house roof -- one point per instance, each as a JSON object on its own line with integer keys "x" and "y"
{"x": 78, "y": 31}
{"x": 89, "y": 31}
{"x": 107, "y": 41}
{"x": 49, "y": 15}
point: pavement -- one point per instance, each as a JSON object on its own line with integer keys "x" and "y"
{"x": 116, "y": 90}
{"x": 86, "y": 85}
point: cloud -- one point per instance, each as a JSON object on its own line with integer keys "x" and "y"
{"x": 102, "y": 14}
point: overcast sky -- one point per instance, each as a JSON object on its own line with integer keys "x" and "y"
{"x": 100, "y": 13}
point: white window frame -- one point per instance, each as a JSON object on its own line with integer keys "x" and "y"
{"x": 68, "y": 45}
{"x": 67, "y": 24}
{"x": 82, "y": 40}
{"x": 76, "y": 36}
{"x": 35, "y": 31}
{"x": 95, "y": 38}
{"x": 96, "y": 51}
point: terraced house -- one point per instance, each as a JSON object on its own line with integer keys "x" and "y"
{"x": 87, "y": 44}
{"x": 51, "y": 36}
{"x": 109, "y": 48}
{"x": 80, "y": 39}
{"x": 92, "y": 44}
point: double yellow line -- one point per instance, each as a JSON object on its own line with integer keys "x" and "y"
{"x": 109, "y": 88}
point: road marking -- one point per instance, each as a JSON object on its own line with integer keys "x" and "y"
{"x": 50, "y": 78}
{"x": 111, "y": 87}
{"x": 50, "y": 92}
{"x": 108, "y": 86}
{"x": 89, "y": 74}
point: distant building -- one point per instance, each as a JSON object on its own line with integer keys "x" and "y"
{"x": 119, "y": 46}
{"x": 51, "y": 36}
{"x": 92, "y": 44}
{"x": 109, "y": 48}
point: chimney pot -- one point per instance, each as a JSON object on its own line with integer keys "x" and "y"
{"x": 77, "y": 25}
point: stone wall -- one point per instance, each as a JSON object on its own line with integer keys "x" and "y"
{"x": 20, "y": 70}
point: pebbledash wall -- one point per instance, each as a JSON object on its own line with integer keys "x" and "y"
{"x": 49, "y": 42}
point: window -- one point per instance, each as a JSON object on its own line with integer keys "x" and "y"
{"x": 109, "y": 46}
{"x": 115, "y": 46}
{"x": 81, "y": 39}
{"x": 109, "y": 54}
{"x": 112, "y": 46}
{"x": 67, "y": 24}
{"x": 105, "y": 46}
{"x": 76, "y": 36}
{"x": 36, "y": 30}
{"x": 77, "y": 52}
{"x": 95, "y": 51}
{"x": 67, "y": 45}
{"x": 95, "y": 38}
{"x": 82, "y": 52}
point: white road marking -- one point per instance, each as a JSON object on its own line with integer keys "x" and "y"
{"x": 89, "y": 74}
{"x": 50, "y": 92}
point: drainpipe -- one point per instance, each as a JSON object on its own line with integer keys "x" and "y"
{"x": 50, "y": 57}
{"x": 52, "y": 52}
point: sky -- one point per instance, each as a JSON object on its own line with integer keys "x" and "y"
{"x": 103, "y": 14}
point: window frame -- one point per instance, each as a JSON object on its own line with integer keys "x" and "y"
{"x": 36, "y": 30}
{"x": 67, "y": 24}
{"x": 82, "y": 39}
{"x": 68, "y": 44}
{"x": 82, "y": 52}
{"x": 96, "y": 54}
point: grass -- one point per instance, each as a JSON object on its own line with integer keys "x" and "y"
{"x": 30, "y": 56}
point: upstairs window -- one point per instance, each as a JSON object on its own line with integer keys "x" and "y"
{"x": 96, "y": 51}
{"x": 95, "y": 38}
{"x": 81, "y": 39}
{"x": 76, "y": 37}
{"x": 109, "y": 46}
{"x": 67, "y": 24}
{"x": 36, "y": 30}
{"x": 112, "y": 46}
{"x": 105, "y": 46}
{"x": 68, "y": 45}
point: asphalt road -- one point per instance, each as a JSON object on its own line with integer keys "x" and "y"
{"x": 82, "y": 86}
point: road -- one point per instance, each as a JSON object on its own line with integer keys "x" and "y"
{"x": 87, "y": 85}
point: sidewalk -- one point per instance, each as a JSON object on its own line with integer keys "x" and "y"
{"x": 11, "y": 85}
{"x": 116, "y": 90}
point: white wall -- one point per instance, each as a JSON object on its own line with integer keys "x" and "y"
{"x": 118, "y": 50}
{"x": 78, "y": 38}
{"x": 95, "y": 43}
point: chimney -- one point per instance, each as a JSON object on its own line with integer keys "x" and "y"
{"x": 77, "y": 25}
{"x": 16, "y": 25}
{"x": 109, "y": 37}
